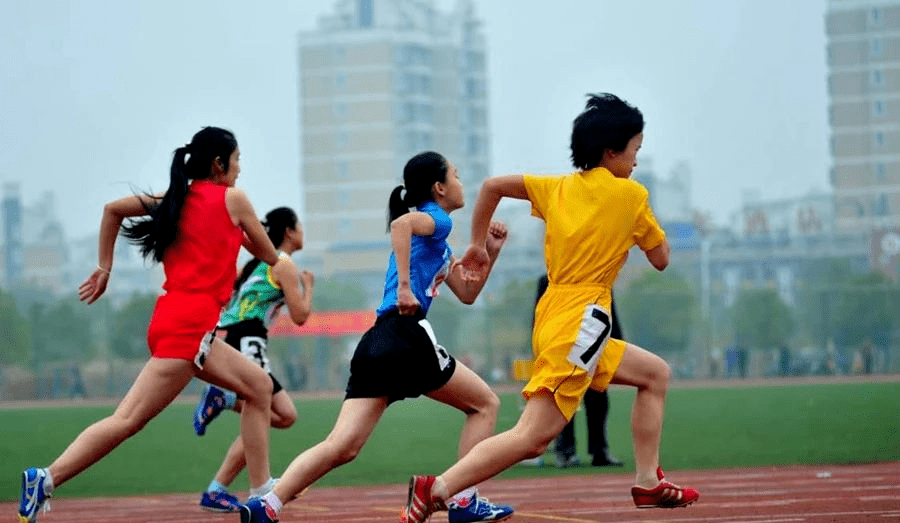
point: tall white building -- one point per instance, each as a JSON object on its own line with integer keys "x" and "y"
{"x": 380, "y": 81}
{"x": 864, "y": 89}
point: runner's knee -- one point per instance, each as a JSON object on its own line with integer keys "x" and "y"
{"x": 660, "y": 375}
{"x": 488, "y": 405}
{"x": 344, "y": 450}
{"x": 259, "y": 391}
{"x": 284, "y": 420}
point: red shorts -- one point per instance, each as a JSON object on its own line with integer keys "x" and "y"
{"x": 179, "y": 322}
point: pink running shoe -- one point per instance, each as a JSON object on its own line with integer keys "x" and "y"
{"x": 419, "y": 504}
{"x": 664, "y": 495}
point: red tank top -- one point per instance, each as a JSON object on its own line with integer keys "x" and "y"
{"x": 203, "y": 257}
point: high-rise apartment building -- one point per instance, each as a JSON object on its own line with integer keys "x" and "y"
{"x": 864, "y": 88}
{"x": 12, "y": 234}
{"x": 380, "y": 81}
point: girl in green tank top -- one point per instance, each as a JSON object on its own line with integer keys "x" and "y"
{"x": 259, "y": 293}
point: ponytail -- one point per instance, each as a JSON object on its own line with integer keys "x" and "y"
{"x": 397, "y": 205}
{"x": 277, "y": 222}
{"x": 154, "y": 233}
{"x": 420, "y": 174}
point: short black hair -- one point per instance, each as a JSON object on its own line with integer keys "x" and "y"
{"x": 607, "y": 122}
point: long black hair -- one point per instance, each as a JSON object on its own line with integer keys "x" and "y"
{"x": 607, "y": 122}
{"x": 419, "y": 176}
{"x": 277, "y": 222}
{"x": 154, "y": 233}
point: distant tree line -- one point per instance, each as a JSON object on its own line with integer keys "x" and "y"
{"x": 659, "y": 311}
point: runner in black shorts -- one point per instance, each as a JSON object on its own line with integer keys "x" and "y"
{"x": 260, "y": 292}
{"x": 399, "y": 357}
{"x": 251, "y": 337}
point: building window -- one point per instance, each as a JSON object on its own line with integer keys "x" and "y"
{"x": 340, "y": 110}
{"x": 345, "y": 227}
{"x": 876, "y": 47}
{"x": 404, "y": 112}
{"x": 404, "y": 83}
{"x": 879, "y": 172}
{"x": 875, "y": 17}
{"x": 879, "y": 139}
{"x": 343, "y": 169}
{"x": 366, "y": 12}
{"x": 474, "y": 145}
{"x": 424, "y": 114}
{"x": 424, "y": 86}
{"x": 878, "y": 108}
{"x": 473, "y": 88}
{"x": 340, "y": 81}
{"x": 880, "y": 206}
{"x": 877, "y": 78}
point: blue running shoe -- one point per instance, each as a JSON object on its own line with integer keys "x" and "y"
{"x": 211, "y": 405}
{"x": 475, "y": 509}
{"x": 220, "y": 501}
{"x": 34, "y": 494}
{"x": 256, "y": 511}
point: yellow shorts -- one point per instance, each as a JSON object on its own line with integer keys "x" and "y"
{"x": 571, "y": 345}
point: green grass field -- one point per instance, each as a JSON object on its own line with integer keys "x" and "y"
{"x": 704, "y": 428}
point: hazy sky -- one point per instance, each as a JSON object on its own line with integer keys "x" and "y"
{"x": 97, "y": 93}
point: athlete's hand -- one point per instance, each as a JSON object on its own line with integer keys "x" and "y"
{"x": 94, "y": 286}
{"x": 406, "y": 301}
{"x": 496, "y": 237}
{"x": 475, "y": 263}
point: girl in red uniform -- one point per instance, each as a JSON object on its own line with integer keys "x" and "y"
{"x": 195, "y": 230}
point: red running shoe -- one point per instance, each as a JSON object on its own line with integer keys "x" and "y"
{"x": 664, "y": 495}
{"x": 419, "y": 503}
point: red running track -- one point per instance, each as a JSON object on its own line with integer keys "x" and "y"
{"x": 801, "y": 494}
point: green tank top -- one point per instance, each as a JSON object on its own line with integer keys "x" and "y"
{"x": 258, "y": 298}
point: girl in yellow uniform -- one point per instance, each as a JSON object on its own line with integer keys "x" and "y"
{"x": 593, "y": 217}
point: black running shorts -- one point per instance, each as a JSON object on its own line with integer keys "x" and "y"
{"x": 397, "y": 358}
{"x": 250, "y": 338}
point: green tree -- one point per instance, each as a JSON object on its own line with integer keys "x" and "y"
{"x": 60, "y": 331}
{"x": 818, "y": 297}
{"x": 15, "y": 341}
{"x": 658, "y": 311}
{"x": 865, "y": 307}
{"x": 128, "y": 338}
{"x": 335, "y": 294}
{"x": 508, "y": 321}
{"x": 761, "y": 318}
{"x": 449, "y": 317}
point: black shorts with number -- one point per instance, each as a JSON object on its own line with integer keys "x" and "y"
{"x": 250, "y": 338}
{"x": 397, "y": 359}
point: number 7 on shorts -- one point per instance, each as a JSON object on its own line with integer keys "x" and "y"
{"x": 592, "y": 337}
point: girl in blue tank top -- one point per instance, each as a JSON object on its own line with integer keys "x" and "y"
{"x": 399, "y": 357}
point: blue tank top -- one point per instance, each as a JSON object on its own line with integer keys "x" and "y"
{"x": 429, "y": 262}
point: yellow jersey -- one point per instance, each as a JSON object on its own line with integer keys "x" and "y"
{"x": 592, "y": 219}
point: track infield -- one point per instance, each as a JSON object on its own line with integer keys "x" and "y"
{"x": 802, "y": 494}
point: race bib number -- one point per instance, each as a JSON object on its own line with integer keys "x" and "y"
{"x": 592, "y": 337}
{"x": 432, "y": 290}
{"x": 443, "y": 357}
{"x": 254, "y": 349}
{"x": 203, "y": 350}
